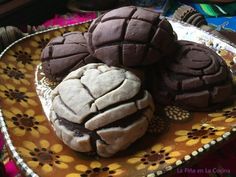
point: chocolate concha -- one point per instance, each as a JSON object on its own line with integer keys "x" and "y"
{"x": 64, "y": 54}
{"x": 198, "y": 79}
{"x": 101, "y": 109}
{"x": 8, "y": 35}
{"x": 130, "y": 36}
{"x": 190, "y": 15}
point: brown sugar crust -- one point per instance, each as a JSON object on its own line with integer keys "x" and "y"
{"x": 130, "y": 36}
{"x": 197, "y": 79}
{"x": 64, "y": 54}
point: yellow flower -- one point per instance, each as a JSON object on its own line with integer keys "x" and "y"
{"x": 97, "y": 169}
{"x": 227, "y": 115}
{"x": 227, "y": 55}
{"x": 159, "y": 155}
{"x": 62, "y": 31}
{"x": 12, "y": 95}
{"x": 203, "y": 133}
{"x": 44, "y": 156}
{"x": 25, "y": 122}
{"x": 40, "y": 42}
{"x": 83, "y": 27}
{"x": 18, "y": 76}
{"x": 23, "y": 57}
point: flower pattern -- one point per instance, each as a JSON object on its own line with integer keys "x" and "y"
{"x": 29, "y": 129}
{"x": 214, "y": 46}
{"x": 23, "y": 122}
{"x": 62, "y": 31}
{"x": 23, "y": 57}
{"x": 18, "y": 76}
{"x": 82, "y": 28}
{"x": 203, "y": 133}
{"x": 19, "y": 95}
{"x": 152, "y": 160}
{"x": 44, "y": 156}
{"x": 227, "y": 55}
{"x": 40, "y": 42}
{"x": 176, "y": 113}
{"x": 227, "y": 115}
{"x": 230, "y": 59}
{"x": 97, "y": 169}
{"x": 158, "y": 125}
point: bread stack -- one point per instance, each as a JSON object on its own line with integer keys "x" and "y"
{"x": 113, "y": 78}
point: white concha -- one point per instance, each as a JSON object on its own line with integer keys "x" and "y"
{"x": 100, "y": 109}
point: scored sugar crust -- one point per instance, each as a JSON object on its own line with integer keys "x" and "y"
{"x": 101, "y": 109}
{"x": 130, "y": 36}
{"x": 190, "y": 15}
{"x": 64, "y": 54}
{"x": 198, "y": 79}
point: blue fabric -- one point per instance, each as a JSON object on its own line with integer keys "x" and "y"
{"x": 219, "y": 22}
{"x": 223, "y": 22}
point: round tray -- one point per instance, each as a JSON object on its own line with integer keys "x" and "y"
{"x": 37, "y": 151}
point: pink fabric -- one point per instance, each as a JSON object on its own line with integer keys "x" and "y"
{"x": 69, "y": 19}
{"x": 11, "y": 169}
